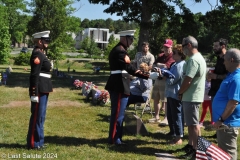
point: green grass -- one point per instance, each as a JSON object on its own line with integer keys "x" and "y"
{"x": 74, "y": 128}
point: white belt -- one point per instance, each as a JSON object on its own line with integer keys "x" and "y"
{"x": 118, "y": 71}
{"x": 45, "y": 75}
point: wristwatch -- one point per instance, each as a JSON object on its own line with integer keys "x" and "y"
{"x": 220, "y": 119}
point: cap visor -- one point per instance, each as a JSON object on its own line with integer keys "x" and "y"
{"x": 167, "y": 45}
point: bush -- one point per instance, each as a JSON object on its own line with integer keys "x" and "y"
{"x": 88, "y": 66}
{"x": 23, "y": 59}
{"x": 81, "y": 51}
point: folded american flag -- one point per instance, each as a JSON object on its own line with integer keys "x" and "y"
{"x": 209, "y": 151}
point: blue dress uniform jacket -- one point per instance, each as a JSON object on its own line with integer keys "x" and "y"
{"x": 118, "y": 86}
{"x": 119, "y": 60}
{"x": 40, "y": 85}
{"x": 39, "y": 64}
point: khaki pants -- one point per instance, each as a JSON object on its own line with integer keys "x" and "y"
{"x": 227, "y": 141}
{"x": 158, "y": 91}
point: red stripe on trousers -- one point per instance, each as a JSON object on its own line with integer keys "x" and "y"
{"x": 116, "y": 117}
{"x": 34, "y": 123}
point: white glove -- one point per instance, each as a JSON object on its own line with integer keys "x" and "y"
{"x": 154, "y": 75}
{"x": 34, "y": 99}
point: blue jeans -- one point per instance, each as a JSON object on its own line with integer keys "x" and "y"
{"x": 175, "y": 116}
{"x": 35, "y": 137}
{"x": 118, "y": 106}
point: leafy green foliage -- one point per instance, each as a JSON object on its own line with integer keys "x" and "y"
{"x": 16, "y": 19}
{"x": 116, "y": 26}
{"x": 90, "y": 46}
{"x": 4, "y": 44}
{"x": 88, "y": 65}
{"x": 85, "y": 43}
{"x": 112, "y": 43}
{"x": 93, "y": 48}
{"x": 23, "y": 59}
{"x": 55, "y": 16}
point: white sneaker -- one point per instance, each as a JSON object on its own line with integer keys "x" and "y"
{"x": 147, "y": 109}
{"x": 154, "y": 120}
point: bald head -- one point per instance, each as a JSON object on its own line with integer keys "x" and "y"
{"x": 233, "y": 54}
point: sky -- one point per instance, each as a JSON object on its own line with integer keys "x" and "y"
{"x": 95, "y": 11}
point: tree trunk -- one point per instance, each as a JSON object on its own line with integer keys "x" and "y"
{"x": 145, "y": 23}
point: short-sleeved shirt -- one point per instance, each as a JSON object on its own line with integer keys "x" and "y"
{"x": 144, "y": 58}
{"x": 195, "y": 68}
{"x": 229, "y": 90}
{"x": 220, "y": 69}
{"x": 167, "y": 60}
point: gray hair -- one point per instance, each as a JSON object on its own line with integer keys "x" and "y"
{"x": 191, "y": 40}
{"x": 233, "y": 53}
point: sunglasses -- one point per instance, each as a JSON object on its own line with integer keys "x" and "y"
{"x": 48, "y": 40}
{"x": 130, "y": 37}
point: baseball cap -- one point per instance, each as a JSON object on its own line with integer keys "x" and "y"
{"x": 168, "y": 43}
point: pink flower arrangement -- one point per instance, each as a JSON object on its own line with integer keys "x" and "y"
{"x": 78, "y": 84}
{"x": 104, "y": 97}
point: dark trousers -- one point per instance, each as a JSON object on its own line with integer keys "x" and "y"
{"x": 136, "y": 99}
{"x": 118, "y": 106}
{"x": 35, "y": 137}
{"x": 175, "y": 116}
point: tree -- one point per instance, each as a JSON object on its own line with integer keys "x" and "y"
{"x": 85, "y": 43}
{"x": 5, "y": 36}
{"x": 85, "y": 23}
{"x": 4, "y": 44}
{"x": 54, "y": 15}
{"x": 141, "y": 12}
{"x": 17, "y": 19}
{"x": 112, "y": 43}
{"x": 93, "y": 48}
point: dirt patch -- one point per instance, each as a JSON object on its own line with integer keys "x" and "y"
{"x": 63, "y": 103}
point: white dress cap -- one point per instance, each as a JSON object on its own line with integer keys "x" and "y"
{"x": 44, "y": 34}
{"x": 127, "y": 33}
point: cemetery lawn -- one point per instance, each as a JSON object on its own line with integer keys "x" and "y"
{"x": 74, "y": 128}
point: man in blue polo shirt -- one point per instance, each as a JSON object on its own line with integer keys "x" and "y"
{"x": 226, "y": 107}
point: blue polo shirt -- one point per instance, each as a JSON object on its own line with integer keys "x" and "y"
{"x": 229, "y": 90}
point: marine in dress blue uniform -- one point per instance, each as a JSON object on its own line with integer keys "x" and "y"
{"x": 118, "y": 84}
{"x": 40, "y": 86}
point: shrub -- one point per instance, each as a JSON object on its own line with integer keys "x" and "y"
{"x": 88, "y": 66}
{"x": 81, "y": 51}
{"x": 23, "y": 59}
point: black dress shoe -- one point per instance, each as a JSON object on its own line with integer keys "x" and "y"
{"x": 186, "y": 148}
{"x": 38, "y": 147}
{"x": 34, "y": 148}
{"x": 190, "y": 155}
